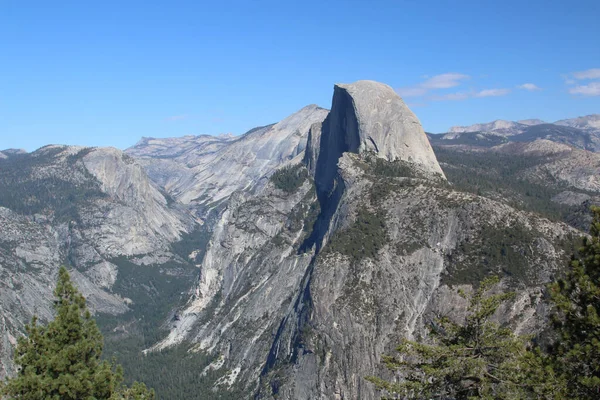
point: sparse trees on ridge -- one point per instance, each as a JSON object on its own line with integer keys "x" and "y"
{"x": 478, "y": 359}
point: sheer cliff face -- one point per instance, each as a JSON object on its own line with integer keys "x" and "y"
{"x": 398, "y": 249}
{"x": 304, "y": 291}
{"x": 369, "y": 117}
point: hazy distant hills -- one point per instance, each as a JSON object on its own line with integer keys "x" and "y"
{"x": 580, "y": 132}
{"x": 587, "y": 123}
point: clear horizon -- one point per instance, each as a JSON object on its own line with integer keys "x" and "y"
{"x": 109, "y": 74}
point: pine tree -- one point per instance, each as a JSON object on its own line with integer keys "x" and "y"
{"x": 477, "y": 359}
{"x": 62, "y": 360}
{"x": 577, "y": 322}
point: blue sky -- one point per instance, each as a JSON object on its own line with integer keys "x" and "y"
{"x": 107, "y": 72}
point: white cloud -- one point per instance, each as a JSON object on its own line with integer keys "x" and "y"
{"x": 529, "y": 86}
{"x": 593, "y": 73}
{"x": 469, "y": 95}
{"x": 442, "y": 81}
{"x": 591, "y": 89}
{"x": 492, "y": 93}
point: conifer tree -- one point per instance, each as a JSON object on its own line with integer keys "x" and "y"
{"x": 477, "y": 359}
{"x": 62, "y": 360}
{"x": 577, "y": 322}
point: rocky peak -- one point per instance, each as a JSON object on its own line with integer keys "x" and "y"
{"x": 588, "y": 122}
{"x": 498, "y": 126}
{"x": 531, "y": 122}
{"x": 368, "y": 116}
{"x": 11, "y": 152}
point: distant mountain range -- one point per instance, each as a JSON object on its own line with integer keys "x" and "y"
{"x": 508, "y": 128}
{"x": 580, "y": 132}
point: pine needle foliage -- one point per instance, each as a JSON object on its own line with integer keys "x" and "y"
{"x": 476, "y": 359}
{"x": 576, "y": 353}
{"x": 62, "y": 360}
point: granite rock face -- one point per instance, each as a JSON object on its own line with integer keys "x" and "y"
{"x": 302, "y": 292}
{"x": 311, "y": 154}
{"x": 212, "y": 171}
{"x": 563, "y": 164}
{"x": 430, "y": 239}
{"x": 368, "y": 116}
{"x": 80, "y": 207}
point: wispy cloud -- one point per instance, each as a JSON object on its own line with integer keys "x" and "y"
{"x": 532, "y": 87}
{"x": 177, "y": 117}
{"x": 468, "y": 95}
{"x": 492, "y": 93}
{"x": 593, "y": 73}
{"x": 442, "y": 81}
{"x": 591, "y": 89}
{"x": 588, "y": 89}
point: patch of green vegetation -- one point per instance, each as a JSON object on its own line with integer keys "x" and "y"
{"x": 24, "y": 191}
{"x": 393, "y": 169}
{"x": 195, "y": 241}
{"x": 508, "y": 251}
{"x": 174, "y": 373}
{"x": 496, "y": 175}
{"x": 289, "y": 178}
{"x": 154, "y": 290}
{"x": 364, "y": 238}
{"x": 470, "y": 139}
{"x": 409, "y": 247}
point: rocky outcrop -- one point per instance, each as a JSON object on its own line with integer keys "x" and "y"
{"x": 311, "y": 154}
{"x": 366, "y": 118}
{"x": 210, "y": 172}
{"x": 11, "y": 152}
{"x": 153, "y": 224}
{"x": 369, "y": 117}
{"x": 531, "y": 122}
{"x": 368, "y": 289}
{"x": 304, "y": 291}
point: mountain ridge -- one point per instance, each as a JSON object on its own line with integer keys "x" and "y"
{"x": 285, "y": 261}
{"x": 590, "y": 122}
